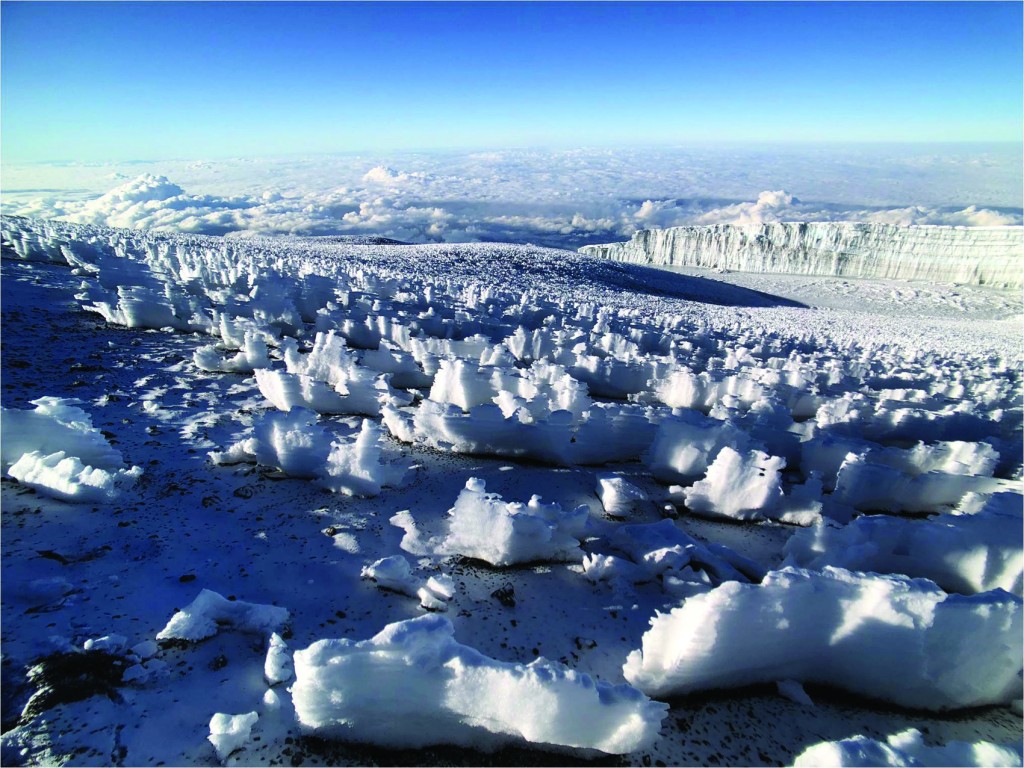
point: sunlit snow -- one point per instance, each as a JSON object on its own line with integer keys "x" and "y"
{"x": 316, "y": 499}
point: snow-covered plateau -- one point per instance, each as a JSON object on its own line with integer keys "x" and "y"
{"x": 348, "y": 501}
{"x": 965, "y": 255}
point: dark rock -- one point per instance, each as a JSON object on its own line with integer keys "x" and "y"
{"x": 65, "y": 677}
{"x": 506, "y": 595}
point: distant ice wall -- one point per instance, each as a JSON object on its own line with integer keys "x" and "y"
{"x": 972, "y": 255}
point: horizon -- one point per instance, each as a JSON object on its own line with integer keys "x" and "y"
{"x": 795, "y": 146}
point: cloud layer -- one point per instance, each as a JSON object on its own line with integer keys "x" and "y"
{"x": 565, "y": 199}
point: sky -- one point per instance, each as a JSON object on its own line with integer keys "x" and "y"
{"x": 99, "y": 81}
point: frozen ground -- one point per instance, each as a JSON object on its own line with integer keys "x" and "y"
{"x": 871, "y": 367}
{"x": 942, "y": 302}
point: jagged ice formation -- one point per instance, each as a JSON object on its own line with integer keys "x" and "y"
{"x": 971, "y": 255}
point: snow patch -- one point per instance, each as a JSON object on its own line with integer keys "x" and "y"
{"x": 413, "y": 685}
{"x": 229, "y": 733}
{"x": 484, "y": 526}
{"x": 210, "y": 612}
{"x": 887, "y": 637}
{"x": 56, "y": 450}
{"x": 905, "y": 749}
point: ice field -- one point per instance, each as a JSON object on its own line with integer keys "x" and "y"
{"x": 344, "y": 501}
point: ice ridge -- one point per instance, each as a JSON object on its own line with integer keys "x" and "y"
{"x": 968, "y": 255}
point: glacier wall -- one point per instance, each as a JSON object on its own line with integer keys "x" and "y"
{"x": 973, "y": 255}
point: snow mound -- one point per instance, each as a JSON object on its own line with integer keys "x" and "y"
{"x": 413, "y": 685}
{"x": 277, "y": 668}
{"x": 252, "y": 354}
{"x": 664, "y": 550}
{"x": 618, "y": 496}
{"x": 688, "y": 442}
{"x": 230, "y": 732}
{"x": 604, "y": 433}
{"x": 741, "y": 486}
{"x": 56, "y": 450}
{"x": 394, "y": 573}
{"x": 296, "y": 444}
{"x": 326, "y": 380}
{"x": 358, "y": 468}
{"x": 906, "y": 749}
{"x": 891, "y": 638}
{"x": 866, "y": 484}
{"x": 293, "y": 442}
{"x": 965, "y": 553}
{"x": 209, "y": 612}
{"x": 825, "y": 455}
{"x": 484, "y": 526}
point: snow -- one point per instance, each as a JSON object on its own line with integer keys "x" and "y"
{"x": 866, "y": 485}
{"x": 688, "y": 442}
{"x": 56, "y": 450}
{"x": 278, "y": 667}
{"x": 271, "y": 701}
{"x": 794, "y": 691}
{"x": 296, "y": 444}
{"x": 109, "y": 643}
{"x": 965, "y": 553}
{"x": 229, "y": 733}
{"x": 67, "y": 478}
{"x": 293, "y": 442}
{"x": 146, "y": 649}
{"x": 210, "y": 612}
{"x": 743, "y": 486}
{"x": 604, "y": 433}
{"x": 413, "y": 685}
{"x": 286, "y": 391}
{"x": 906, "y": 749}
{"x": 395, "y": 573}
{"x": 979, "y": 255}
{"x": 888, "y": 637}
{"x": 665, "y": 549}
{"x": 358, "y": 468}
{"x": 253, "y": 354}
{"x": 584, "y": 401}
{"x": 392, "y": 573}
{"x": 54, "y": 424}
{"x": 484, "y": 526}
{"x": 618, "y": 496}
{"x": 326, "y": 380}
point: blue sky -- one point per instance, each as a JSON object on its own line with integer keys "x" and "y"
{"x": 118, "y": 81}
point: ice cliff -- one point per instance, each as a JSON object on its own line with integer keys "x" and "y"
{"x": 973, "y": 255}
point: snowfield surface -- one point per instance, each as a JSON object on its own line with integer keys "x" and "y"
{"x": 331, "y": 501}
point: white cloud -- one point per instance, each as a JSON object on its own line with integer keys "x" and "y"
{"x": 564, "y": 198}
{"x": 781, "y": 206}
{"x": 381, "y": 174}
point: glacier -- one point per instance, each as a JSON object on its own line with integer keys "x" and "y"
{"x": 968, "y": 255}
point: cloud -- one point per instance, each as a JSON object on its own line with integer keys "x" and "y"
{"x": 560, "y": 198}
{"x": 381, "y": 174}
{"x": 781, "y": 206}
{"x": 971, "y": 216}
{"x": 154, "y": 202}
